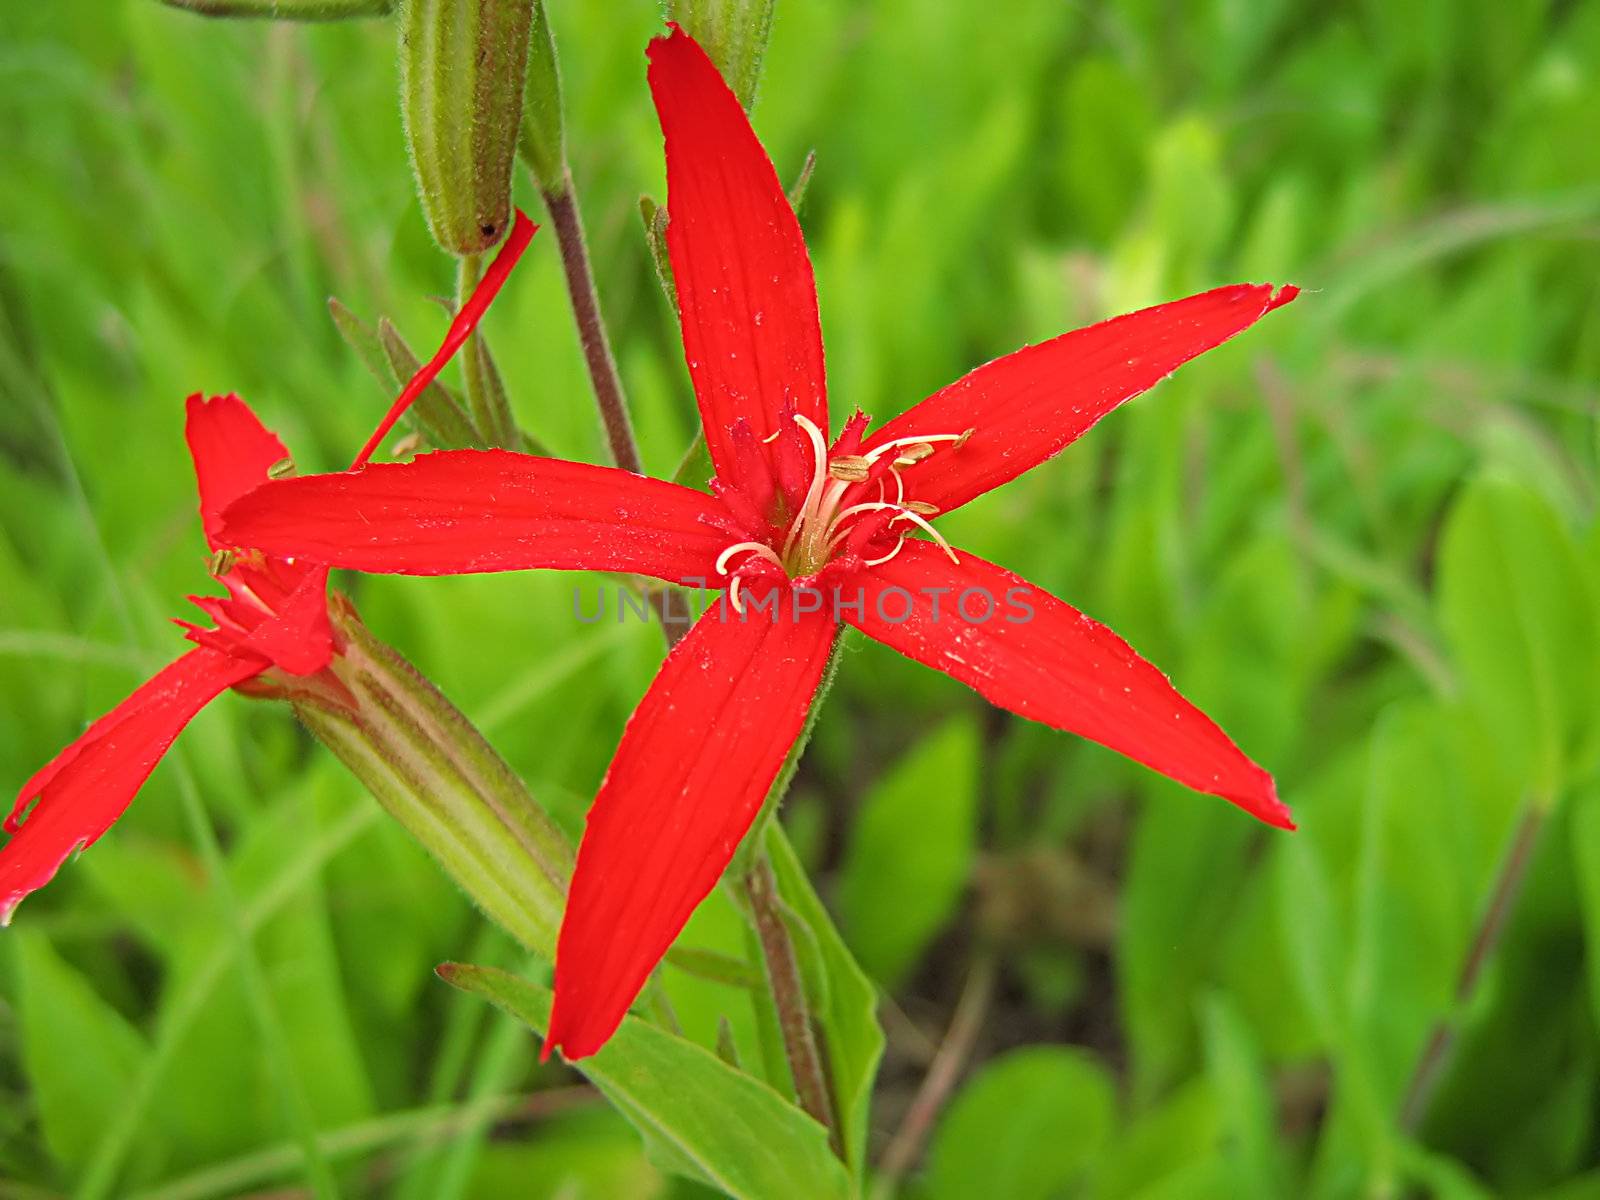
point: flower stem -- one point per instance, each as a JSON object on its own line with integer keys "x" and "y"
{"x": 1441, "y": 1042}
{"x": 789, "y": 995}
{"x": 562, "y": 203}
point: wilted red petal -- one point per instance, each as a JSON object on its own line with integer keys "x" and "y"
{"x": 89, "y": 784}
{"x": 461, "y": 327}
{"x": 696, "y": 761}
{"x": 746, "y": 295}
{"x": 232, "y": 451}
{"x": 1028, "y": 406}
{"x": 1044, "y": 660}
{"x": 459, "y": 511}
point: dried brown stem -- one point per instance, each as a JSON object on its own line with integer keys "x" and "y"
{"x": 943, "y": 1074}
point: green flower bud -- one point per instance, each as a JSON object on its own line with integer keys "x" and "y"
{"x": 462, "y": 66}
{"x": 734, "y": 33}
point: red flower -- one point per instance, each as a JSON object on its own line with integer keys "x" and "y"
{"x": 273, "y": 622}
{"x": 791, "y": 524}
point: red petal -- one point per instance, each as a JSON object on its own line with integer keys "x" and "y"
{"x": 460, "y": 511}
{"x": 746, "y": 295}
{"x": 232, "y": 451}
{"x": 1028, "y": 406}
{"x": 89, "y": 784}
{"x": 695, "y": 764}
{"x": 461, "y": 327}
{"x": 1046, "y": 661}
{"x": 298, "y": 636}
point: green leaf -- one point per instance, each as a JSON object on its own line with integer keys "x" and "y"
{"x": 852, "y": 1038}
{"x": 368, "y": 346}
{"x": 1520, "y": 616}
{"x": 80, "y": 1055}
{"x": 655, "y": 233}
{"x": 1246, "y": 1102}
{"x": 301, "y": 965}
{"x": 1029, "y": 1125}
{"x": 695, "y": 469}
{"x": 1172, "y": 914}
{"x": 286, "y": 10}
{"x": 910, "y": 854}
{"x": 543, "y": 144}
{"x": 1154, "y": 1154}
{"x": 1586, "y": 861}
{"x": 714, "y": 966}
{"x": 699, "y": 1116}
{"x": 1441, "y": 1177}
{"x": 802, "y": 182}
{"x": 437, "y": 414}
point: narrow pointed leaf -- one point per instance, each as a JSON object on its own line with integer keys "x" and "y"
{"x": 543, "y": 143}
{"x": 438, "y": 414}
{"x": 363, "y": 339}
{"x": 698, "y": 1115}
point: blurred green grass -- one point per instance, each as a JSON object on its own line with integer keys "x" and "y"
{"x": 1363, "y": 538}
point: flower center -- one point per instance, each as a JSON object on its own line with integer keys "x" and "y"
{"x": 848, "y": 496}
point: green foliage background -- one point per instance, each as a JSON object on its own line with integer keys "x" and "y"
{"x": 1362, "y": 537}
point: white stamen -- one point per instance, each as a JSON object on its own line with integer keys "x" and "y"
{"x": 816, "y": 531}
{"x": 878, "y": 452}
{"x": 878, "y": 562}
{"x": 819, "y": 479}
{"x": 901, "y": 514}
{"x": 760, "y": 549}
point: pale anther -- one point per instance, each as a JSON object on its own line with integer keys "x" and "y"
{"x": 852, "y": 468}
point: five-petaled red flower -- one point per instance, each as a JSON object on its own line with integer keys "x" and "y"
{"x": 787, "y": 514}
{"x": 273, "y": 622}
